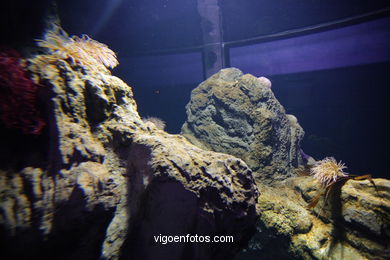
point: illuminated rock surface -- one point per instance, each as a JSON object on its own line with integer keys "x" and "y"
{"x": 101, "y": 183}
{"x": 354, "y": 223}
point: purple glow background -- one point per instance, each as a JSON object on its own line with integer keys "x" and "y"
{"x": 364, "y": 43}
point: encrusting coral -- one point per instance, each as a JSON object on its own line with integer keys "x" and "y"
{"x": 19, "y": 107}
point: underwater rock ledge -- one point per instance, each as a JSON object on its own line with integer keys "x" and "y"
{"x": 352, "y": 222}
{"x": 100, "y": 183}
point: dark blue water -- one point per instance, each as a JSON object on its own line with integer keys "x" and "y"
{"x": 344, "y": 113}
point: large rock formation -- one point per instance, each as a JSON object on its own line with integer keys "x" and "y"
{"x": 352, "y": 222}
{"x": 239, "y": 115}
{"x": 101, "y": 183}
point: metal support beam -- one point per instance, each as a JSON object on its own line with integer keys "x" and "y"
{"x": 213, "y": 50}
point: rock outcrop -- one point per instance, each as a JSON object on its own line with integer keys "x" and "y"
{"x": 101, "y": 183}
{"x": 239, "y": 115}
{"x": 353, "y": 222}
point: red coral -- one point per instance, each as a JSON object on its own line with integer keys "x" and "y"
{"x": 18, "y": 95}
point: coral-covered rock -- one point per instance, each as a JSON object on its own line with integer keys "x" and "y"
{"x": 239, "y": 115}
{"x": 352, "y": 222}
{"x": 107, "y": 183}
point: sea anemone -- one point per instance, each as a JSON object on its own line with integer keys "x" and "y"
{"x": 265, "y": 82}
{"x": 328, "y": 171}
{"x": 91, "y": 53}
{"x": 159, "y": 123}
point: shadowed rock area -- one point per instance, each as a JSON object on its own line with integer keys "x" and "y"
{"x": 239, "y": 115}
{"x": 101, "y": 183}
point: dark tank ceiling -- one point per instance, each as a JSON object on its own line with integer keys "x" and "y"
{"x": 135, "y": 26}
{"x": 253, "y": 18}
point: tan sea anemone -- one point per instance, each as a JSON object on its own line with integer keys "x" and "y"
{"x": 158, "y": 122}
{"x": 328, "y": 171}
{"x": 93, "y": 54}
